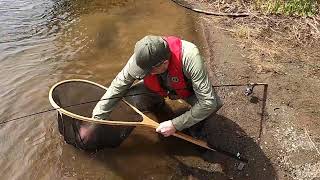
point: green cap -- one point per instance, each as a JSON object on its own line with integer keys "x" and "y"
{"x": 148, "y": 52}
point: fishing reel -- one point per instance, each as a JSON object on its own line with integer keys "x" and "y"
{"x": 249, "y": 89}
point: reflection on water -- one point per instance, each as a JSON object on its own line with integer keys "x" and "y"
{"x": 45, "y": 41}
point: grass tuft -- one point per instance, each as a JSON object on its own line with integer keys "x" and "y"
{"x": 289, "y": 7}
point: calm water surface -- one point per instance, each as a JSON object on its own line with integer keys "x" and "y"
{"x": 46, "y": 41}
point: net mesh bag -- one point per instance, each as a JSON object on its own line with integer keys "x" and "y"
{"x": 80, "y": 98}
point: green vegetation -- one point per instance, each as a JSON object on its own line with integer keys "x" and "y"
{"x": 289, "y": 7}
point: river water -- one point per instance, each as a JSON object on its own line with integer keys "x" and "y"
{"x": 45, "y": 41}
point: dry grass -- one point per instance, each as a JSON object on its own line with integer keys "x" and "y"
{"x": 284, "y": 7}
{"x": 295, "y": 20}
{"x": 272, "y": 35}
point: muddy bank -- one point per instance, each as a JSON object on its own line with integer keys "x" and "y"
{"x": 285, "y": 144}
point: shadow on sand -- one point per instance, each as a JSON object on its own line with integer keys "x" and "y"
{"x": 227, "y": 136}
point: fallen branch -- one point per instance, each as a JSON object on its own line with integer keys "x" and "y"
{"x": 211, "y": 12}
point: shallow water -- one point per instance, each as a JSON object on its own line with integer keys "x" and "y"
{"x": 46, "y": 41}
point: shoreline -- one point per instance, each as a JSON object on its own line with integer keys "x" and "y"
{"x": 285, "y": 150}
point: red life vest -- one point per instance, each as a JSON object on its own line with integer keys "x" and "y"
{"x": 175, "y": 72}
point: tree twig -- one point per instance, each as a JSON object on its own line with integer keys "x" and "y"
{"x": 312, "y": 143}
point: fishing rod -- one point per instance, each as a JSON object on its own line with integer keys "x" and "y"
{"x": 248, "y": 92}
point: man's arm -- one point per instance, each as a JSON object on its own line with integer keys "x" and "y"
{"x": 208, "y": 102}
{"x": 118, "y": 88}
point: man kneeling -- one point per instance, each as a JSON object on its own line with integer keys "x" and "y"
{"x": 170, "y": 67}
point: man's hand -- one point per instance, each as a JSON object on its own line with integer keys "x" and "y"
{"x": 166, "y": 128}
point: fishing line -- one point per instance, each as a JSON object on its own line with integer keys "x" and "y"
{"x": 148, "y": 93}
{"x": 87, "y": 102}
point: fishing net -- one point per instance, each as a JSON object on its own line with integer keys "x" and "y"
{"x": 80, "y": 97}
